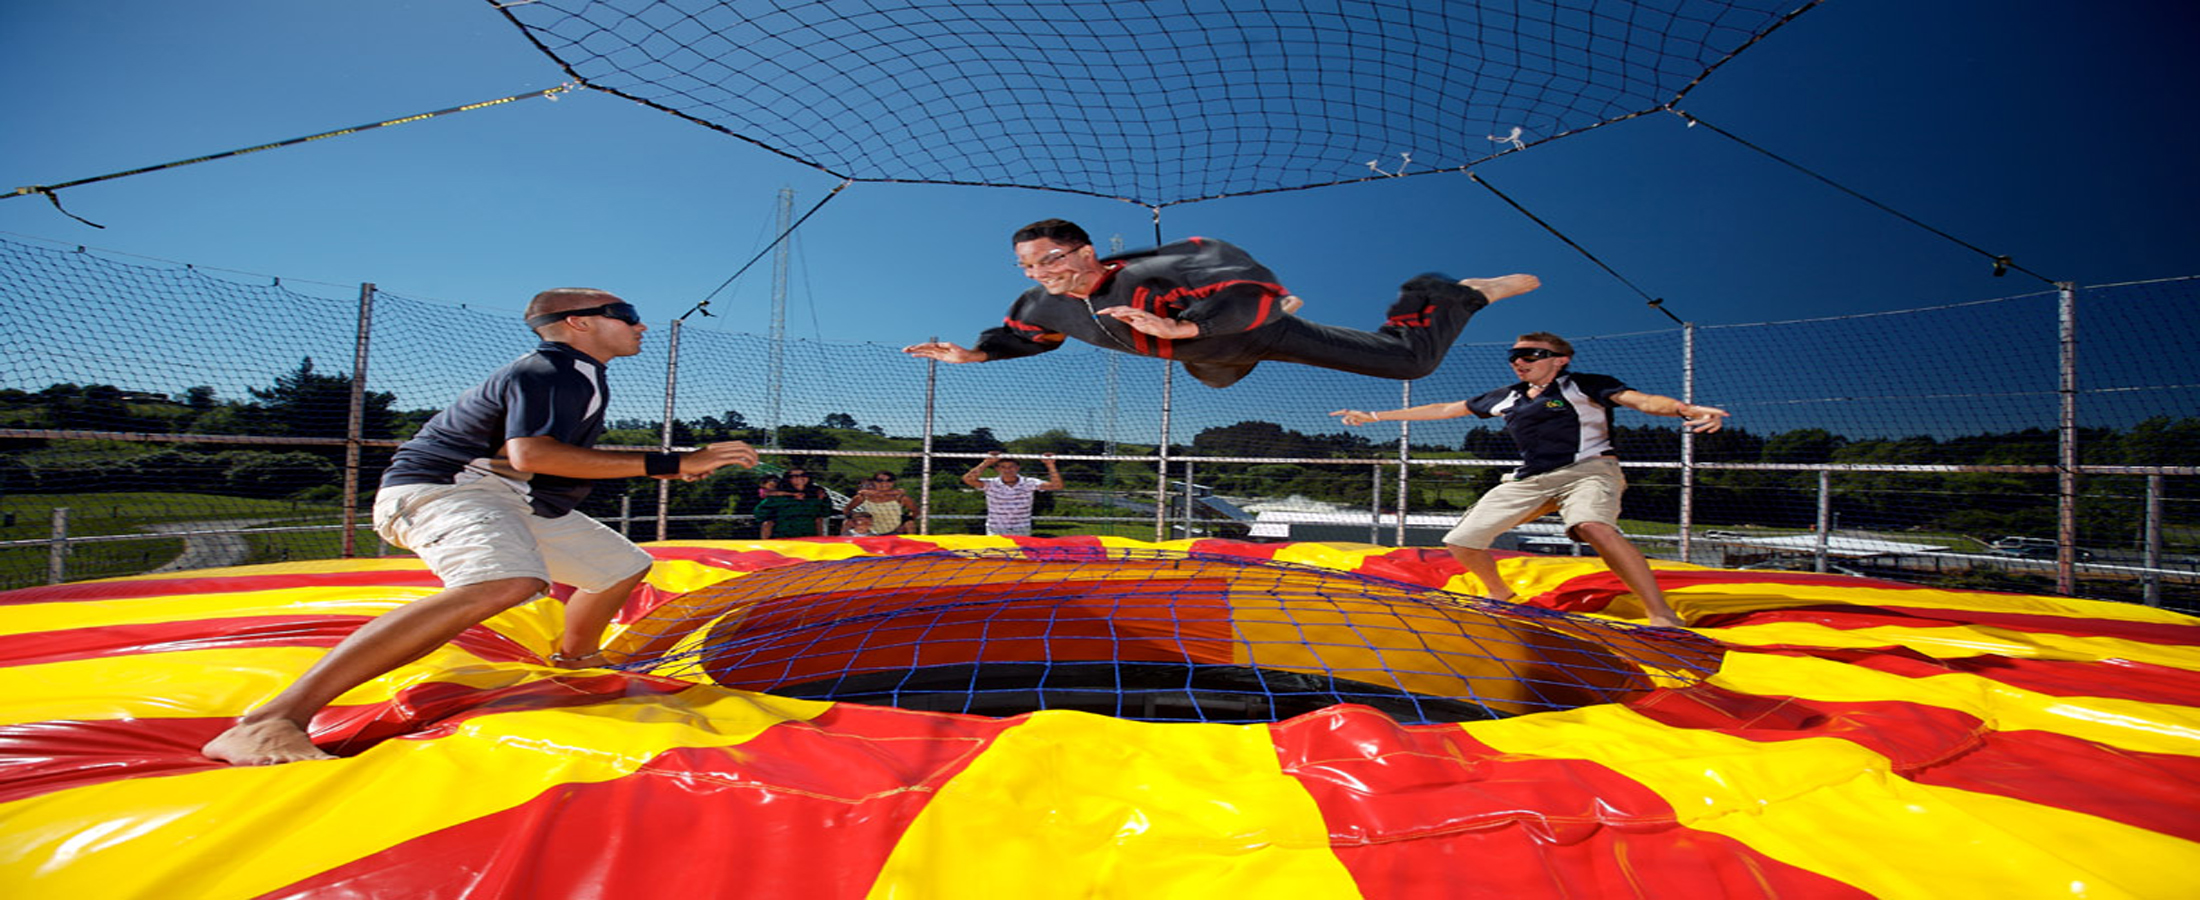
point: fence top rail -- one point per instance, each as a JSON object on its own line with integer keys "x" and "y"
{"x": 1945, "y": 469}
{"x": 160, "y": 535}
{"x": 143, "y": 436}
{"x": 74, "y": 434}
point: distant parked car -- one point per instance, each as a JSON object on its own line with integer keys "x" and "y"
{"x": 2033, "y": 548}
{"x": 1552, "y": 546}
{"x": 1803, "y": 564}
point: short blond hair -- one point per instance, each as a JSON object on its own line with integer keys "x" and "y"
{"x": 557, "y": 300}
{"x": 1544, "y": 337}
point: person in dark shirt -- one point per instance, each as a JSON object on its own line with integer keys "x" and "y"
{"x": 484, "y": 494}
{"x": 1562, "y": 423}
{"x": 798, "y": 509}
{"x": 1212, "y": 307}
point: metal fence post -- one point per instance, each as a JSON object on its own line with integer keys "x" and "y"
{"x": 1161, "y": 450}
{"x": 924, "y": 461}
{"x": 1191, "y": 493}
{"x": 2153, "y": 551}
{"x": 776, "y": 371}
{"x": 1688, "y": 443}
{"x": 1825, "y": 516}
{"x": 355, "y": 428}
{"x": 2066, "y": 480}
{"x": 1108, "y": 444}
{"x": 1375, "y": 505}
{"x": 664, "y": 440}
{"x": 57, "y": 554}
{"x": 1405, "y": 455}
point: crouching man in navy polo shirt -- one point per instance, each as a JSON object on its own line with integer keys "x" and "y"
{"x": 484, "y": 494}
{"x": 1562, "y": 423}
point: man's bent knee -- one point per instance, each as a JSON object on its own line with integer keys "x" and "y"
{"x": 1592, "y": 532}
{"x": 1605, "y": 539}
{"x": 497, "y": 595}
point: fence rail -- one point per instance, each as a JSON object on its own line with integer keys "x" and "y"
{"x": 1172, "y": 511}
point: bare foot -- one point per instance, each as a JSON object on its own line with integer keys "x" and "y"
{"x": 1657, "y": 621}
{"x": 1291, "y": 304}
{"x": 594, "y": 660}
{"x": 1500, "y": 592}
{"x": 267, "y": 743}
{"x": 1495, "y": 289}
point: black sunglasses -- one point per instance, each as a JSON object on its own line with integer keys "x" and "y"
{"x": 1531, "y": 354}
{"x": 622, "y": 311}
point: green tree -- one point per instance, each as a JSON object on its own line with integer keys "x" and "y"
{"x": 255, "y": 473}
{"x": 1489, "y": 443}
{"x": 979, "y": 440}
{"x": 305, "y": 403}
{"x": 1803, "y": 445}
{"x": 1254, "y": 438}
{"x": 730, "y": 426}
{"x": 98, "y": 407}
{"x": 808, "y": 437}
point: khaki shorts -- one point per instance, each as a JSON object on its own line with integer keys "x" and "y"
{"x": 485, "y": 531}
{"x": 1586, "y": 491}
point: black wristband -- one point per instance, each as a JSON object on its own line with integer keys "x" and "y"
{"x": 660, "y": 463}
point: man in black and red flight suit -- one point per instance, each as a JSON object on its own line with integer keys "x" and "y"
{"x": 1214, "y": 308}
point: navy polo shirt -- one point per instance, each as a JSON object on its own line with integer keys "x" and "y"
{"x": 1569, "y": 422}
{"x": 555, "y": 391}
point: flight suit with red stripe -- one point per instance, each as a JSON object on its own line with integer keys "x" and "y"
{"x": 1236, "y": 302}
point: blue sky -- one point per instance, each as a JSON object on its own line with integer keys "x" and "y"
{"x": 2046, "y": 131}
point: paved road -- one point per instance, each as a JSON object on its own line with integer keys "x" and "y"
{"x": 208, "y": 551}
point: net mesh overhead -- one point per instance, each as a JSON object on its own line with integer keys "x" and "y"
{"x": 1153, "y": 102}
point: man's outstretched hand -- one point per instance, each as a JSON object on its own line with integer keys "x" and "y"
{"x": 1148, "y": 323}
{"x": 695, "y": 464}
{"x": 1703, "y": 419}
{"x": 945, "y": 352}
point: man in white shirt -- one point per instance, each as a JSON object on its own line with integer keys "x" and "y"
{"x": 1008, "y": 497}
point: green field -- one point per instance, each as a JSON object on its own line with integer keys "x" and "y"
{"x": 30, "y": 517}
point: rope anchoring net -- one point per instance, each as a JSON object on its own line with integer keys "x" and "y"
{"x": 1147, "y": 635}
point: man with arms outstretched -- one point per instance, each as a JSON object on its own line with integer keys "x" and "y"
{"x": 1008, "y": 498}
{"x": 485, "y": 495}
{"x": 1562, "y": 423}
{"x": 1213, "y": 307}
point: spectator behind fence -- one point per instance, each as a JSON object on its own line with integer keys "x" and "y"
{"x": 797, "y": 509}
{"x": 890, "y": 509}
{"x": 484, "y": 494}
{"x": 1008, "y": 498}
{"x": 858, "y": 524}
{"x": 1562, "y": 423}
